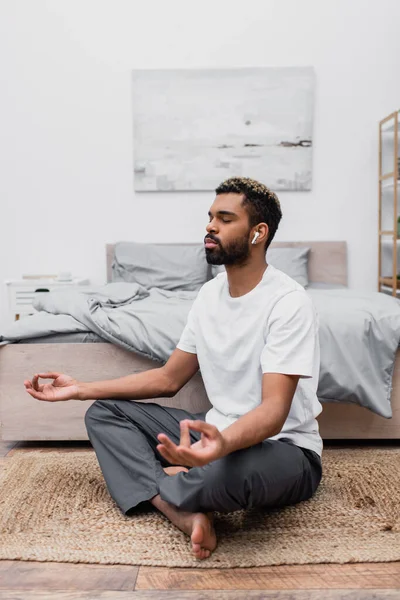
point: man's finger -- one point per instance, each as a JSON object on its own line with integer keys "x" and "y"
{"x": 185, "y": 434}
{"x": 39, "y": 387}
{"x": 169, "y": 444}
{"x": 49, "y": 375}
{"x": 209, "y": 430}
{"x": 38, "y": 395}
{"x": 168, "y": 447}
{"x": 164, "y": 452}
{"x": 35, "y": 382}
{"x": 190, "y": 457}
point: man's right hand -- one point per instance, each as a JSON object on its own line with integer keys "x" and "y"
{"x": 62, "y": 387}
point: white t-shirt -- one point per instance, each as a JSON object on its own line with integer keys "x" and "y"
{"x": 271, "y": 329}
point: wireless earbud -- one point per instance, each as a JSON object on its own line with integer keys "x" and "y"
{"x": 253, "y": 241}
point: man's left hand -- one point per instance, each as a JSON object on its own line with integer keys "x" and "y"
{"x": 210, "y": 447}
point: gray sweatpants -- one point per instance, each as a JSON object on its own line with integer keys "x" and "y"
{"x": 124, "y": 433}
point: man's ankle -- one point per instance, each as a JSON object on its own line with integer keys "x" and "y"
{"x": 155, "y": 500}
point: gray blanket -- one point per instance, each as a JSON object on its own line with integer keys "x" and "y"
{"x": 359, "y": 332}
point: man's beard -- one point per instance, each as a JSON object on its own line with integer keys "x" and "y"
{"x": 236, "y": 253}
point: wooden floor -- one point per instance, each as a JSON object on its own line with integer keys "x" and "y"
{"x": 27, "y": 580}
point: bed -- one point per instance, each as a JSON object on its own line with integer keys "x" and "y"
{"x": 23, "y": 418}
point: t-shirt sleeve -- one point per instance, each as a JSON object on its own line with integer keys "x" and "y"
{"x": 291, "y": 336}
{"x": 187, "y": 341}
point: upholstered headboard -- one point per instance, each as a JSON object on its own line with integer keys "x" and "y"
{"x": 327, "y": 260}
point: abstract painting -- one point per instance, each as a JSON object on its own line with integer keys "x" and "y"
{"x": 195, "y": 128}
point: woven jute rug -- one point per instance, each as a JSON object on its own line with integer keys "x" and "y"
{"x": 56, "y": 507}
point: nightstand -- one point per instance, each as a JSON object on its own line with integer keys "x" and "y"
{"x": 21, "y": 293}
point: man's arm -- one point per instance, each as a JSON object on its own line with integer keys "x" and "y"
{"x": 267, "y": 419}
{"x": 252, "y": 428}
{"x": 154, "y": 383}
{"x": 290, "y": 348}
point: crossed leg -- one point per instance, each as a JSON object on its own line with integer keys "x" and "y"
{"x": 124, "y": 436}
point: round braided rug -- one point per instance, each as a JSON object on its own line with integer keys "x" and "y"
{"x": 55, "y": 506}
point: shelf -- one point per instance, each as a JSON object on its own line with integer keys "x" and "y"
{"x": 386, "y": 176}
{"x": 388, "y": 281}
{"x": 388, "y": 184}
{"x": 389, "y": 123}
{"x": 388, "y": 290}
{"x": 382, "y": 233}
{"x": 389, "y": 205}
{"x": 389, "y": 130}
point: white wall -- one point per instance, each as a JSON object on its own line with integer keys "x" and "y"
{"x": 66, "y": 182}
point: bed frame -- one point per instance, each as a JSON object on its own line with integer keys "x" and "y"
{"x": 23, "y": 418}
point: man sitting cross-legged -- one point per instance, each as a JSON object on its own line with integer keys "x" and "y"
{"x": 253, "y": 332}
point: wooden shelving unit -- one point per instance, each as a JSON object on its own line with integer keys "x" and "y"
{"x": 389, "y": 191}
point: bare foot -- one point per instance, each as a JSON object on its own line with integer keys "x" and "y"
{"x": 198, "y": 525}
{"x": 203, "y": 537}
{"x": 175, "y": 470}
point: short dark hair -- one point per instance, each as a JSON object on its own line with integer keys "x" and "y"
{"x": 261, "y": 203}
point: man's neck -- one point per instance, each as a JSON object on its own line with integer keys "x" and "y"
{"x": 244, "y": 278}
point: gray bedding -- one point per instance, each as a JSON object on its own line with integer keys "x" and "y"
{"x": 85, "y": 337}
{"x": 359, "y": 332}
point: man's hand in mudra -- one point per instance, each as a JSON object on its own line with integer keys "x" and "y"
{"x": 210, "y": 447}
{"x": 63, "y": 387}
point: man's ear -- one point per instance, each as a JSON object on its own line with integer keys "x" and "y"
{"x": 263, "y": 230}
